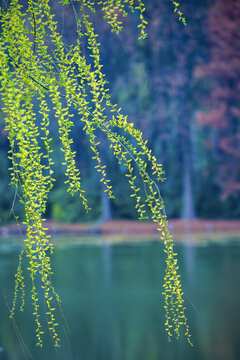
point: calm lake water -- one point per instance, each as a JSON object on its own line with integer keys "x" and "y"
{"x": 112, "y": 302}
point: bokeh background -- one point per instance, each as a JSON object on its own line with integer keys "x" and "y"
{"x": 181, "y": 87}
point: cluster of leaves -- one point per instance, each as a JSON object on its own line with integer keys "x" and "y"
{"x": 179, "y": 13}
{"x": 39, "y": 71}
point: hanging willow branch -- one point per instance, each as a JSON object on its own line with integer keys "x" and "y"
{"x": 31, "y": 48}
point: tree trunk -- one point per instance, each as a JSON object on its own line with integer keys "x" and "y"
{"x": 188, "y": 211}
{"x": 106, "y": 211}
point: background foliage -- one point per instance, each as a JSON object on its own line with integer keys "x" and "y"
{"x": 181, "y": 93}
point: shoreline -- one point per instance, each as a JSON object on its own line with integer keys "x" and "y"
{"x": 177, "y": 227}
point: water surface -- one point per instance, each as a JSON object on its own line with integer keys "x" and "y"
{"x": 112, "y": 302}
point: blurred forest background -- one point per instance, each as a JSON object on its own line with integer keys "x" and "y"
{"x": 181, "y": 87}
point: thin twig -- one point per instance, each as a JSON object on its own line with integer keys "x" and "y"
{"x": 18, "y": 334}
{"x": 34, "y": 27}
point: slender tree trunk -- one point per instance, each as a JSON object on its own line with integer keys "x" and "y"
{"x": 188, "y": 211}
{"x": 106, "y": 211}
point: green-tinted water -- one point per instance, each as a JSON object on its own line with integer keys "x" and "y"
{"x": 111, "y": 299}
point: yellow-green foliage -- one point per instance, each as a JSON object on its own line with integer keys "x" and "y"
{"x": 179, "y": 13}
{"x": 38, "y": 71}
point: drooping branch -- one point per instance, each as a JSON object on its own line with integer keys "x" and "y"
{"x": 82, "y": 85}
